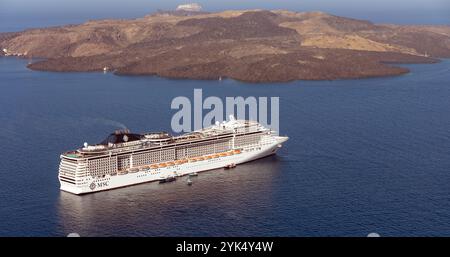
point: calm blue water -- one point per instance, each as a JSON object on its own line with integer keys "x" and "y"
{"x": 363, "y": 156}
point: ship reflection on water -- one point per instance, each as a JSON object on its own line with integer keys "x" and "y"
{"x": 216, "y": 203}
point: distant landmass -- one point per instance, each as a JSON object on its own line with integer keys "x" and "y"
{"x": 247, "y": 45}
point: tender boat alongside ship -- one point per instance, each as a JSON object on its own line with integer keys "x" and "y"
{"x": 230, "y": 166}
{"x": 126, "y": 158}
{"x": 168, "y": 179}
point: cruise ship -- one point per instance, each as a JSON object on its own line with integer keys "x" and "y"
{"x": 126, "y": 158}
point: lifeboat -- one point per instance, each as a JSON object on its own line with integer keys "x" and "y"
{"x": 237, "y": 151}
{"x": 133, "y": 170}
{"x": 216, "y": 156}
{"x": 209, "y": 157}
{"x": 227, "y": 153}
{"x": 154, "y": 166}
{"x": 222, "y": 154}
{"x": 162, "y": 165}
{"x": 200, "y": 158}
{"x": 170, "y": 163}
{"x": 193, "y": 160}
{"x": 179, "y": 162}
{"x": 122, "y": 172}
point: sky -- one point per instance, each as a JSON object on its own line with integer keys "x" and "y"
{"x": 21, "y": 14}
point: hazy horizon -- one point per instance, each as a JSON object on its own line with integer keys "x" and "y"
{"x": 22, "y": 14}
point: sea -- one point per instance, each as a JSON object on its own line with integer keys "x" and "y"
{"x": 364, "y": 156}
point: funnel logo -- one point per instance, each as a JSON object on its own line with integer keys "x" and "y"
{"x": 92, "y": 186}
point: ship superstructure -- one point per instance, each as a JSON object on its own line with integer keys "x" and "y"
{"x": 126, "y": 158}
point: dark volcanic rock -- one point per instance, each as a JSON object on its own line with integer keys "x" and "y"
{"x": 247, "y": 25}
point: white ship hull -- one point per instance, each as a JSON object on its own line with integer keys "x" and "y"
{"x": 110, "y": 182}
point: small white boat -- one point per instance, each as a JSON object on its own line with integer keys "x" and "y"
{"x": 189, "y": 182}
{"x": 167, "y": 179}
{"x": 230, "y": 166}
